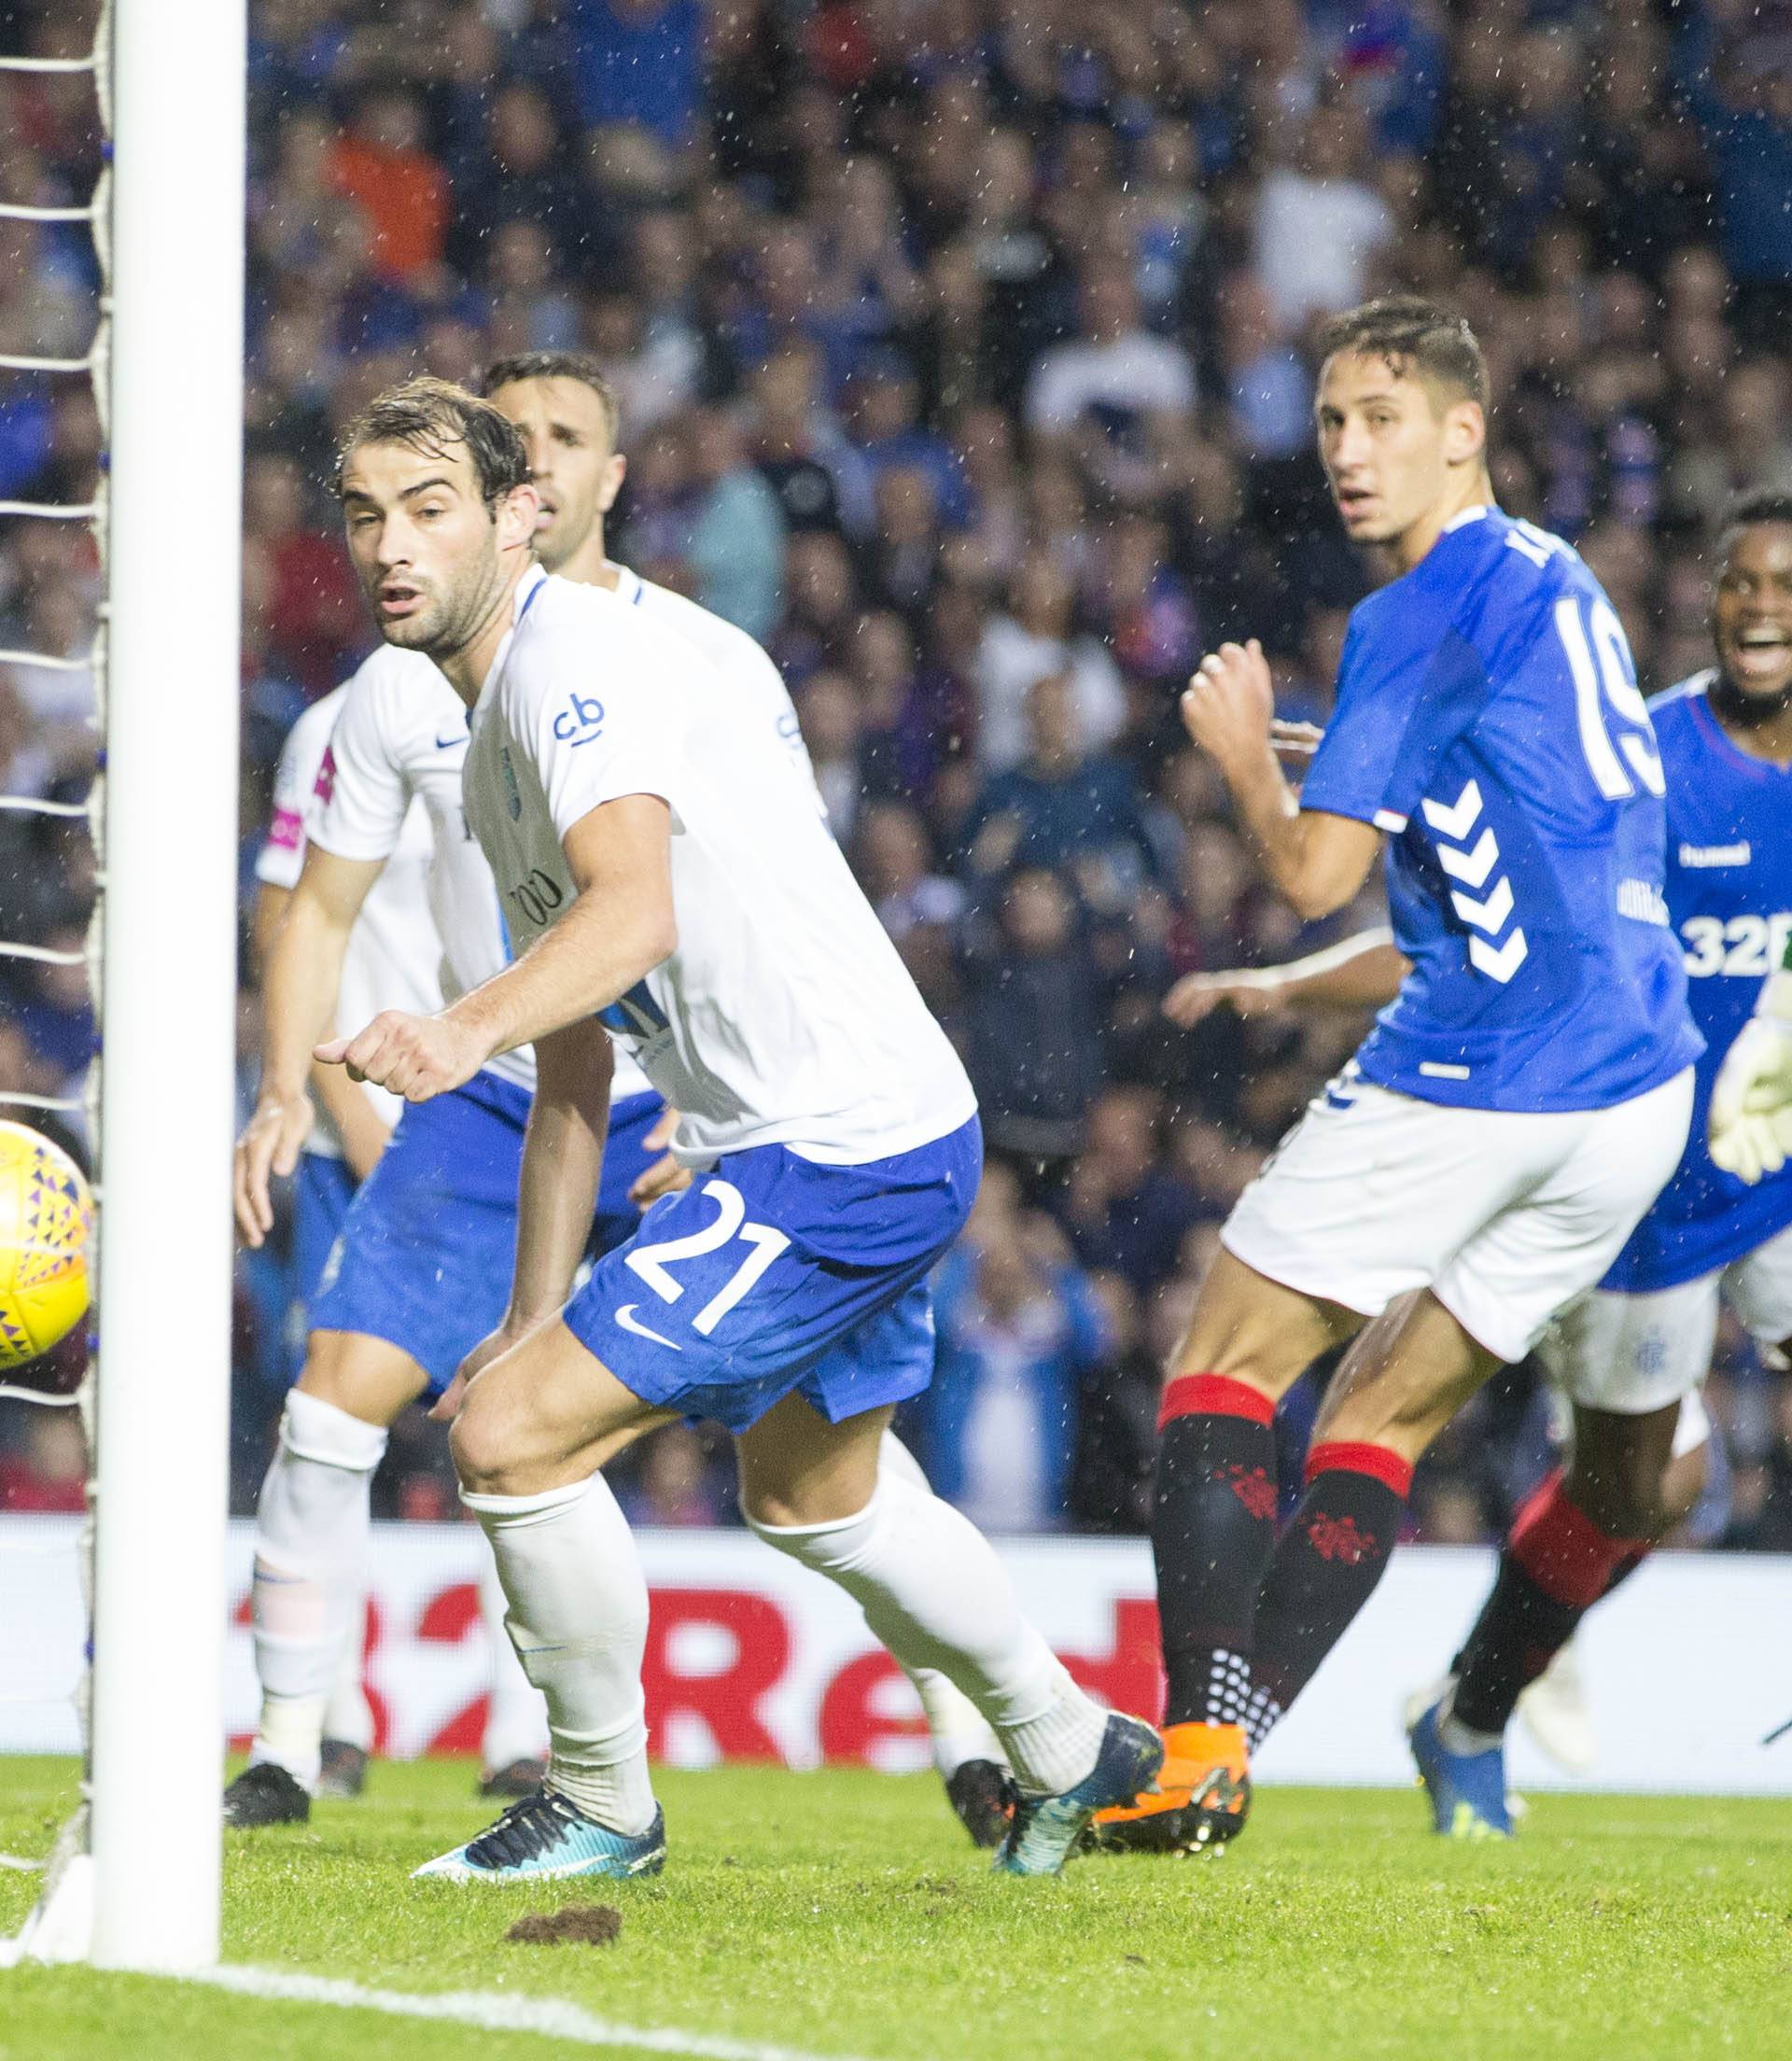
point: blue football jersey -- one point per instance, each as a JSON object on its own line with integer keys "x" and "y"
{"x": 1730, "y": 896}
{"x": 1488, "y": 720}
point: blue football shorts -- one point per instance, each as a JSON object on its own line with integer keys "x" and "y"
{"x": 424, "y": 1256}
{"x": 773, "y": 1273}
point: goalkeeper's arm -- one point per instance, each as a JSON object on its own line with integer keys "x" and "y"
{"x": 1751, "y": 1105}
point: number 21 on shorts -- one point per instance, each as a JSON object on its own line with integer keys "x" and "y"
{"x": 763, "y": 1244}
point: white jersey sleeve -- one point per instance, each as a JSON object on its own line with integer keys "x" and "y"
{"x": 282, "y": 856}
{"x": 360, "y": 795}
{"x": 590, "y": 749}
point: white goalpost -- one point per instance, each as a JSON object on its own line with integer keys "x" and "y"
{"x": 168, "y": 999}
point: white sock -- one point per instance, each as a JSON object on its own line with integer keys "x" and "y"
{"x": 310, "y": 1563}
{"x": 956, "y": 1729}
{"x": 1461, "y": 1738}
{"x": 578, "y": 1620}
{"x": 348, "y": 1716}
{"x": 516, "y": 1719}
{"x": 935, "y": 1594}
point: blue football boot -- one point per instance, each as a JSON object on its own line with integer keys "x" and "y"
{"x": 544, "y": 1838}
{"x": 1467, "y": 1790}
{"x": 1045, "y": 1831}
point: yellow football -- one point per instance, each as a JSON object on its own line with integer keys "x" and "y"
{"x": 46, "y": 1218}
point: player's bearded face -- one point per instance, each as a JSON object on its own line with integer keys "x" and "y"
{"x": 577, "y": 474}
{"x": 424, "y": 545}
{"x": 1751, "y": 614}
{"x": 1383, "y": 442}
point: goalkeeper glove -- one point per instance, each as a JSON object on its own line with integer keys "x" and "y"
{"x": 1751, "y": 1106}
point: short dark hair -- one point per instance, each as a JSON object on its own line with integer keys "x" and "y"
{"x": 1762, "y": 504}
{"x": 1413, "y": 335}
{"x": 429, "y": 415}
{"x": 578, "y": 365}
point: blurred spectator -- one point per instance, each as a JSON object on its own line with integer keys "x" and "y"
{"x": 1030, "y": 1006}
{"x": 672, "y": 1484}
{"x": 1060, "y": 807}
{"x": 1034, "y": 640}
{"x": 381, "y": 163}
{"x": 1320, "y": 222}
{"x": 735, "y": 546}
{"x": 1019, "y": 1330}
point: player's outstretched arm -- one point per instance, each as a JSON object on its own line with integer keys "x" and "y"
{"x": 1362, "y": 972}
{"x": 1316, "y": 860}
{"x": 1751, "y": 1104}
{"x": 562, "y": 1156}
{"x": 618, "y": 928}
{"x": 303, "y": 971}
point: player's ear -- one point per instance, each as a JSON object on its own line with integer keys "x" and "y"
{"x": 615, "y": 472}
{"x": 516, "y": 514}
{"x": 1465, "y": 432}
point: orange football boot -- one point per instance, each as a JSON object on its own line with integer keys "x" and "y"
{"x": 1203, "y": 1794}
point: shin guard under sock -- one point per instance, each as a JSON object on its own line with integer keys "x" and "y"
{"x": 1324, "y": 1569}
{"x": 1212, "y": 1529}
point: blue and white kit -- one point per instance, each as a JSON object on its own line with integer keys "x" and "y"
{"x": 1519, "y": 1105}
{"x": 1645, "y": 1339}
{"x": 828, "y": 1121}
{"x": 422, "y": 1254}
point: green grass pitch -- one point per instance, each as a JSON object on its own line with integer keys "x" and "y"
{"x": 842, "y": 1913}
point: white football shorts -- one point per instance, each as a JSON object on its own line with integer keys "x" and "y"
{"x": 1505, "y": 1216}
{"x": 1633, "y": 1353}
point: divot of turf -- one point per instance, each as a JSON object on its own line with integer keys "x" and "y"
{"x": 572, "y": 1925}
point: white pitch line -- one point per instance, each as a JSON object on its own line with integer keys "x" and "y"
{"x": 490, "y": 2012}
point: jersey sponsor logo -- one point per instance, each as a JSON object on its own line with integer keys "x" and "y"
{"x": 1643, "y": 903}
{"x": 626, "y": 1317}
{"x": 448, "y": 744}
{"x": 580, "y": 721}
{"x": 1748, "y": 947}
{"x": 287, "y": 831}
{"x": 1470, "y": 866}
{"x": 538, "y": 896}
{"x": 324, "y": 787}
{"x": 1717, "y": 855}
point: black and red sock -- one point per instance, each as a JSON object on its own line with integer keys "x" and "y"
{"x": 1557, "y": 1564}
{"x": 1326, "y": 1567}
{"x": 1213, "y": 1530}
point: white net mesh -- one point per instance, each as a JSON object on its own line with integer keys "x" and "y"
{"x": 58, "y": 1925}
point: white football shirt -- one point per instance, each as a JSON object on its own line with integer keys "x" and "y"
{"x": 398, "y": 743}
{"x": 784, "y": 1015}
{"x": 745, "y": 663}
{"x": 394, "y": 957}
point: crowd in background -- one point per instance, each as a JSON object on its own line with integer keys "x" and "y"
{"x": 964, "y": 356}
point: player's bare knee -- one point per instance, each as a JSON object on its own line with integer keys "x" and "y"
{"x": 1626, "y": 1494}
{"x": 489, "y": 1455}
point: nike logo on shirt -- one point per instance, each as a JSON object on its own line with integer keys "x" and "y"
{"x": 626, "y": 1317}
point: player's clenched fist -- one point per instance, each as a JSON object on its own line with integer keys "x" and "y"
{"x": 1228, "y": 705}
{"x": 270, "y": 1145}
{"x": 414, "y": 1057}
